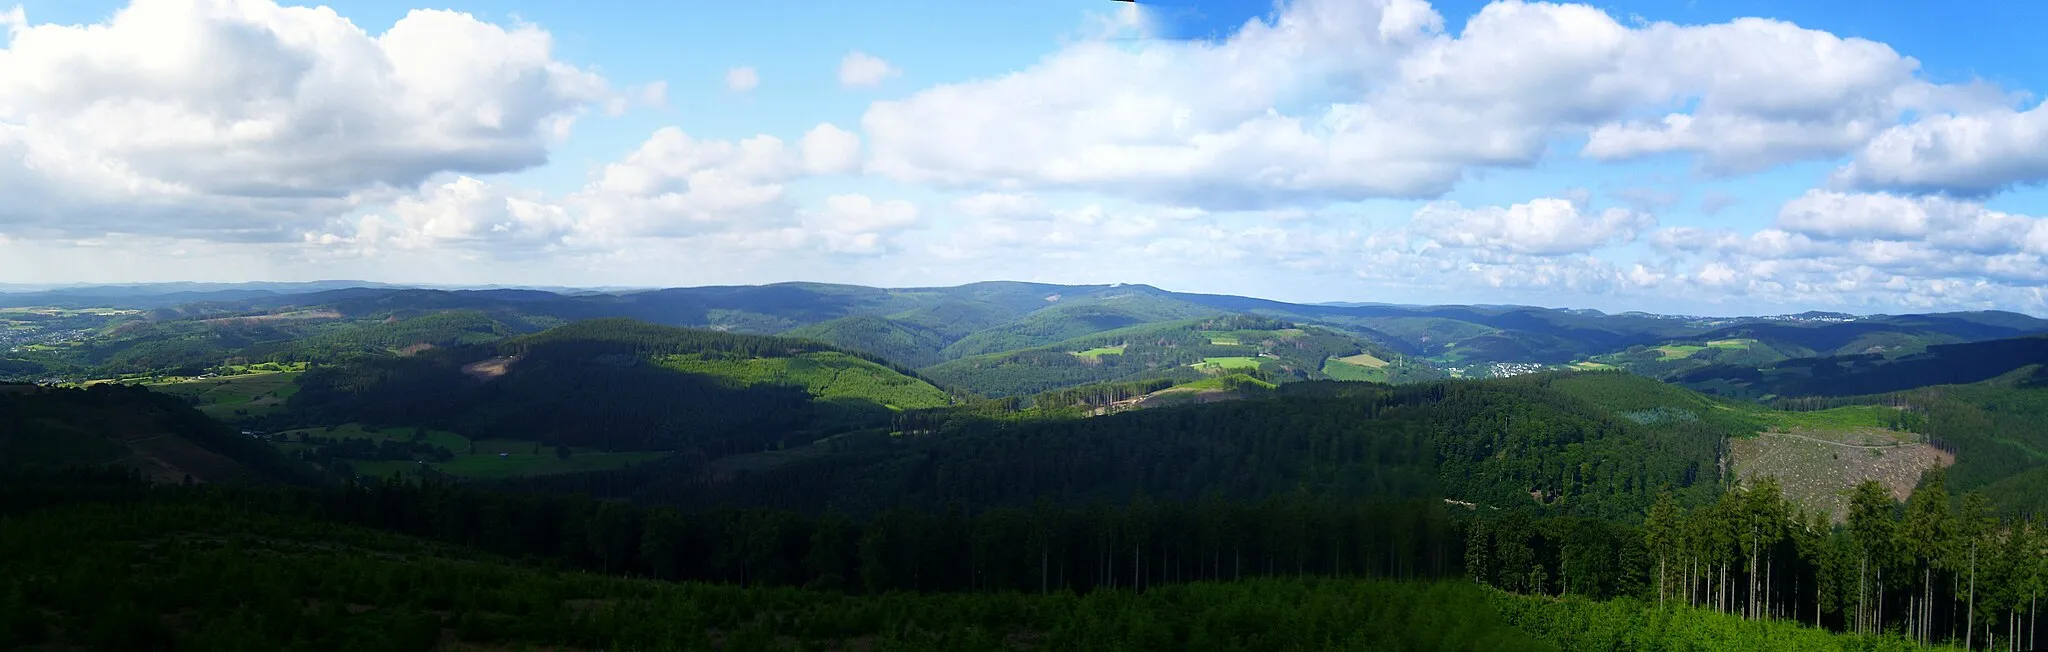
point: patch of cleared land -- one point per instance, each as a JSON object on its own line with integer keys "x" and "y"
{"x": 1738, "y": 343}
{"x": 488, "y": 369}
{"x": 1589, "y": 365}
{"x": 1224, "y": 340}
{"x": 1364, "y": 360}
{"x": 298, "y": 315}
{"x": 1673, "y": 351}
{"x": 1100, "y": 351}
{"x": 493, "y": 458}
{"x": 1818, "y": 467}
{"x": 1338, "y": 369}
{"x": 1847, "y": 418}
{"x": 226, "y": 397}
{"x": 1227, "y": 363}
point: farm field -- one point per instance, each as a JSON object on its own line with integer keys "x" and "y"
{"x": 481, "y": 459}
{"x": 1589, "y": 365}
{"x": 228, "y": 397}
{"x": 1100, "y": 351}
{"x": 1338, "y": 369}
{"x": 483, "y": 466}
{"x": 1227, "y": 363}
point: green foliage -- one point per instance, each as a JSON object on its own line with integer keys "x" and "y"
{"x": 620, "y": 385}
{"x": 826, "y": 374}
{"x": 1180, "y": 351}
{"x": 109, "y": 423}
{"x": 903, "y": 343}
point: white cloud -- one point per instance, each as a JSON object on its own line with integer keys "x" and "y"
{"x": 857, "y": 224}
{"x": 463, "y": 213}
{"x": 672, "y": 186}
{"x": 742, "y": 79}
{"x": 241, "y": 118}
{"x": 1971, "y": 154}
{"x": 252, "y": 99}
{"x": 860, "y": 69}
{"x": 1545, "y": 227}
{"x": 1347, "y": 99}
{"x": 827, "y": 149}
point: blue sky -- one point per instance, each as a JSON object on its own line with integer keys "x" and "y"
{"x": 1674, "y": 156}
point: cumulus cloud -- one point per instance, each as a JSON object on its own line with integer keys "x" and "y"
{"x": 860, "y": 69}
{"x": 673, "y": 185}
{"x": 742, "y": 79}
{"x": 1342, "y": 99}
{"x": 1544, "y": 227}
{"x": 461, "y": 213}
{"x": 1971, "y": 154}
{"x": 858, "y": 224}
{"x": 241, "y": 120}
{"x": 247, "y": 98}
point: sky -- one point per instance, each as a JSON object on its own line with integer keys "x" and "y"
{"x": 1694, "y": 156}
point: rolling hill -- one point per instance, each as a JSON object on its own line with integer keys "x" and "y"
{"x": 153, "y": 434}
{"x": 620, "y": 385}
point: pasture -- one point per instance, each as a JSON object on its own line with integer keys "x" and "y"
{"x": 1338, "y": 369}
{"x": 1227, "y": 363}
{"x": 512, "y": 465}
{"x": 478, "y": 459}
{"x": 1364, "y": 359}
{"x": 1098, "y": 352}
{"x": 228, "y": 397}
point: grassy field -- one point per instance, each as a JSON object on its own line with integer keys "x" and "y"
{"x": 493, "y": 458}
{"x": 1224, "y": 340}
{"x": 1589, "y": 365}
{"x": 1338, "y": 369}
{"x": 1218, "y": 383}
{"x": 442, "y": 438}
{"x": 1364, "y": 360}
{"x": 1739, "y": 343}
{"x": 1227, "y": 363}
{"x": 1675, "y": 351}
{"x": 490, "y": 466}
{"x": 253, "y": 394}
{"x": 1841, "y": 418}
{"x": 825, "y": 374}
{"x": 1100, "y": 351}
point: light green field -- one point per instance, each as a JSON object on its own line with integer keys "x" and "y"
{"x": 1365, "y": 360}
{"x": 442, "y": 438}
{"x": 494, "y": 458}
{"x": 1338, "y": 369}
{"x": 826, "y": 374}
{"x": 1676, "y": 351}
{"x": 1227, "y": 363}
{"x": 1589, "y": 365}
{"x": 1740, "y": 343}
{"x": 1216, "y": 383}
{"x": 1841, "y": 418}
{"x": 254, "y": 394}
{"x": 1224, "y": 340}
{"x": 484, "y": 467}
{"x": 1100, "y": 351}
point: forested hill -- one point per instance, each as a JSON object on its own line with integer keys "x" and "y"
{"x": 1871, "y": 373}
{"x": 622, "y": 385}
{"x": 1534, "y": 442}
{"x": 155, "y": 434}
{"x": 1182, "y": 351}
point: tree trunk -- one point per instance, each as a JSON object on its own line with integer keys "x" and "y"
{"x": 1970, "y": 621}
